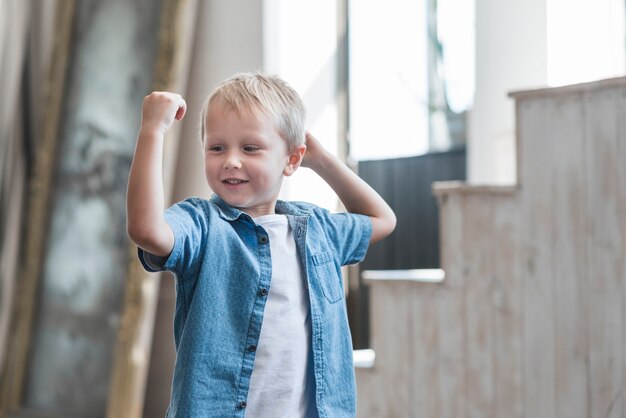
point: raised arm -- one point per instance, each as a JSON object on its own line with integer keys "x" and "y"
{"x": 355, "y": 194}
{"x": 145, "y": 203}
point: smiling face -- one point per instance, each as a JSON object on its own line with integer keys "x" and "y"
{"x": 245, "y": 159}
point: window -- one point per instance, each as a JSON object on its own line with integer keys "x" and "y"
{"x": 411, "y": 76}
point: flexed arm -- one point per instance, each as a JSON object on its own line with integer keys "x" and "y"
{"x": 145, "y": 202}
{"x": 355, "y": 194}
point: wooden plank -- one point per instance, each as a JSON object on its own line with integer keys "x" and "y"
{"x": 536, "y": 158}
{"x": 392, "y": 340}
{"x": 506, "y": 299}
{"x": 479, "y": 384}
{"x": 609, "y": 83}
{"x": 423, "y": 321}
{"x": 566, "y": 131}
{"x": 367, "y": 386}
{"x": 451, "y": 309}
{"x": 605, "y": 247}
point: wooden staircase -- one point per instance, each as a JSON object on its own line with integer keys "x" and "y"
{"x": 530, "y": 320}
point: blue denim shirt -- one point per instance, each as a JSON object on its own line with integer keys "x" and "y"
{"x": 221, "y": 260}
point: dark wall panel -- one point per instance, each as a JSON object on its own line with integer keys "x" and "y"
{"x": 406, "y": 184}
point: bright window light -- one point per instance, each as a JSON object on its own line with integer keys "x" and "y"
{"x": 388, "y": 79}
{"x": 455, "y": 27}
{"x": 391, "y": 114}
{"x": 585, "y": 40}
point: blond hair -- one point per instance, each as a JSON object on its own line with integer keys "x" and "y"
{"x": 263, "y": 95}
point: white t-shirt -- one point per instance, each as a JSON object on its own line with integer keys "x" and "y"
{"x": 282, "y": 383}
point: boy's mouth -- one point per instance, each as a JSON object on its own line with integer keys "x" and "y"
{"x": 234, "y": 181}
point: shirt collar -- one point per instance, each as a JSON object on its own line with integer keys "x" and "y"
{"x": 226, "y": 211}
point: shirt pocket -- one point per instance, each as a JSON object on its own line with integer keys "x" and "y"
{"x": 327, "y": 276}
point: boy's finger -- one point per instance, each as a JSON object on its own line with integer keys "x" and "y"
{"x": 182, "y": 108}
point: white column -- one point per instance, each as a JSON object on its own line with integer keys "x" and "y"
{"x": 511, "y": 54}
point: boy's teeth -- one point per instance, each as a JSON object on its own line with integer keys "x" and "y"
{"x": 234, "y": 181}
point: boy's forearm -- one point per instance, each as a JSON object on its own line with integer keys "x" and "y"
{"x": 145, "y": 199}
{"x": 356, "y": 195}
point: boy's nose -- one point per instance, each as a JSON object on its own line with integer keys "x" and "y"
{"x": 232, "y": 161}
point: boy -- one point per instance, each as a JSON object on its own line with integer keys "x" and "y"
{"x": 260, "y": 325}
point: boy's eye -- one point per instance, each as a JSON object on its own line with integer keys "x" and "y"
{"x": 251, "y": 148}
{"x": 216, "y": 148}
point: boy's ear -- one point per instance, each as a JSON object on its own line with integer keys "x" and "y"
{"x": 295, "y": 159}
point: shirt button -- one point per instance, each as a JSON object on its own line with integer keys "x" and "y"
{"x": 252, "y": 348}
{"x": 243, "y": 404}
{"x": 263, "y": 292}
{"x": 263, "y": 240}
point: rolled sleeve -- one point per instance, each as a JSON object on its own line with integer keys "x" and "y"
{"x": 349, "y": 233}
{"x": 188, "y": 220}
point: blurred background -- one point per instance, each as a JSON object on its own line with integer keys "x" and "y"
{"x": 502, "y": 292}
